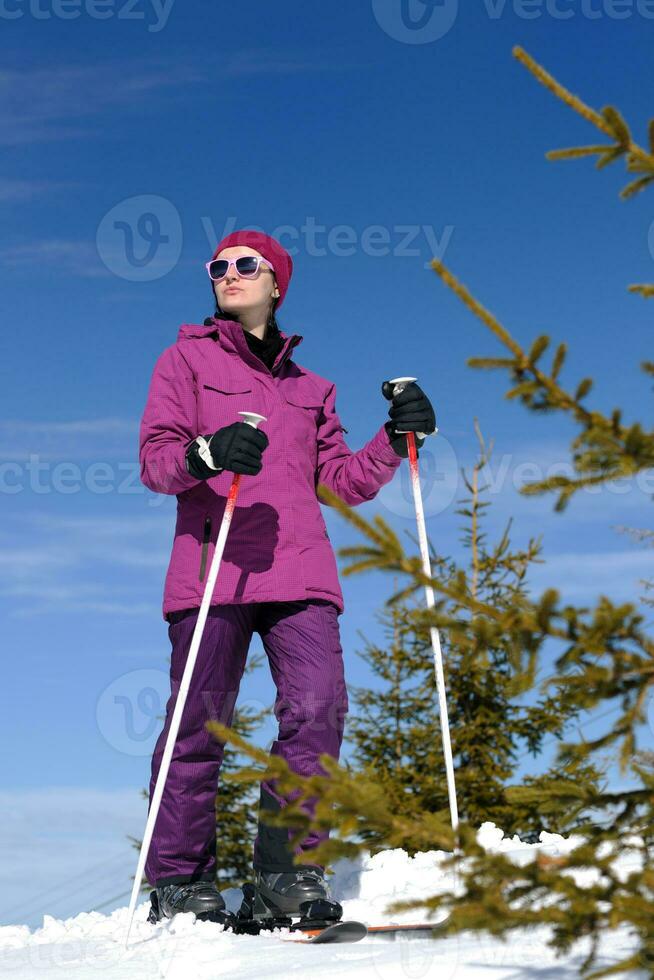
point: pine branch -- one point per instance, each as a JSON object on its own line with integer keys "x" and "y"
{"x": 605, "y": 449}
{"x": 645, "y": 290}
{"x": 609, "y": 121}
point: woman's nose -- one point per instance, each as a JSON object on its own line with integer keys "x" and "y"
{"x": 231, "y": 274}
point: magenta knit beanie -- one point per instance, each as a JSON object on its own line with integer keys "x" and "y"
{"x": 270, "y": 248}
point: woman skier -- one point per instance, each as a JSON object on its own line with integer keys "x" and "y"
{"x": 278, "y": 574}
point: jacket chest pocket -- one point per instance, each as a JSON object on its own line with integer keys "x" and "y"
{"x": 221, "y": 401}
{"x": 301, "y": 420}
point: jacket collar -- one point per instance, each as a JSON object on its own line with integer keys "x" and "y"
{"x": 229, "y": 334}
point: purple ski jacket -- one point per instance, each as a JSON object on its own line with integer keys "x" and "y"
{"x": 277, "y": 547}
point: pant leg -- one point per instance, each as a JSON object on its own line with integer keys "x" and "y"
{"x": 302, "y": 642}
{"x": 183, "y": 846}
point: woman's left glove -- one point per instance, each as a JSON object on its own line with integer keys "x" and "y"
{"x": 410, "y": 409}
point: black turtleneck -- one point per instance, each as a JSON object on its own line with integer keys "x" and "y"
{"x": 268, "y": 348}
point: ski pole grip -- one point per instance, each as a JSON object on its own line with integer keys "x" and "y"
{"x": 394, "y": 387}
{"x": 252, "y": 418}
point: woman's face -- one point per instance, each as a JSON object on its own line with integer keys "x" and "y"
{"x": 236, "y": 294}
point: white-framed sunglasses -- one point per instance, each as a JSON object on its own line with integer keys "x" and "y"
{"x": 246, "y": 266}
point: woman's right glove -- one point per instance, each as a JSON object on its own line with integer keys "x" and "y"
{"x": 236, "y": 447}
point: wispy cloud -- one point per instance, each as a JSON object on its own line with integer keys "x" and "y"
{"x": 78, "y": 258}
{"x": 63, "y": 102}
{"x": 22, "y": 562}
{"x": 13, "y": 191}
{"x": 70, "y": 440}
{"x": 75, "y": 426}
{"x": 75, "y": 258}
{"x": 583, "y": 576}
{"x": 69, "y": 564}
{"x": 68, "y": 541}
{"x": 39, "y": 104}
{"x": 261, "y": 61}
{"x": 77, "y": 605}
{"x": 73, "y": 860}
{"x": 106, "y": 527}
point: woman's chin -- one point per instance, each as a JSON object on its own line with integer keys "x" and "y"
{"x": 233, "y": 311}
{"x": 232, "y": 305}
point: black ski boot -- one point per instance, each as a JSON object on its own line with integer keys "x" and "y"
{"x": 200, "y": 897}
{"x": 276, "y": 896}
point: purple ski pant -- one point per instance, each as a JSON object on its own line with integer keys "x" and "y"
{"x": 302, "y": 642}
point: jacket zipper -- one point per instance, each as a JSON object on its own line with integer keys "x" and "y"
{"x": 205, "y": 546}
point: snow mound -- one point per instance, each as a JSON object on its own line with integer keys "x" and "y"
{"x": 92, "y": 945}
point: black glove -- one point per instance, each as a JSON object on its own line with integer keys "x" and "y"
{"x": 412, "y": 410}
{"x": 236, "y": 447}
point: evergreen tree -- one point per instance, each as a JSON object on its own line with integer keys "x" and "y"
{"x": 496, "y": 715}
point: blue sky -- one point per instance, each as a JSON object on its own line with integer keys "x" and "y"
{"x": 366, "y": 153}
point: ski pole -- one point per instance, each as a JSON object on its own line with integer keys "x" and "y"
{"x": 398, "y": 385}
{"x": 253, "y": 419}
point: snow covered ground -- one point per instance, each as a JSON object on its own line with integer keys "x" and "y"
{"x": 91, "y": 945}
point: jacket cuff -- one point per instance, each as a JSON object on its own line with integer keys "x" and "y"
{"x": 381, "y": 447}
{"x": 198, "y": 459}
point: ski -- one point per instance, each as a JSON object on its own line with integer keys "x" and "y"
{"x": 352, "y": 931}
{"x": 349, "y": 931}
{"x": 424, "y": 929}
{"x": 320, "y": 922}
